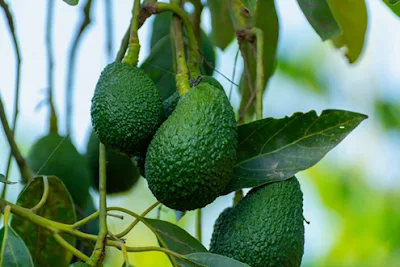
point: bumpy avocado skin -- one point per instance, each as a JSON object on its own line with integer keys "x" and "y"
{"x": 265, "y": 228}
{"x": 66, "y": 163}
{"x": 170, "y": 104}
{"x": 126, "y": 108}
{"x": 122, "y": 174}
{"x": 191, "y": 157}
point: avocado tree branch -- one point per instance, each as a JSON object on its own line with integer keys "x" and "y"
{"x": 85, "y": 21}
{"x": 62, "y": 242}
{"x": 26, "y": 173}
{"x": 109, "y": 28}
{"x": 136, "y": 221}
{"x": 259, "y": 36}
{"x": 182, "y": 73}
{"x": 44, "y": 196}
{"x": 193, "y": 50}
{"x": 11, "y": 27}
{"x": 98, "y": 254}
{"x": 123, "y": 46}
{"x": 132, "y": 56}
{"x": 53, "y": 121}
{"x": 196, "y": 18}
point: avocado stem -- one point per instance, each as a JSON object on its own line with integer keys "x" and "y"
{"x": 196, "y": 18}
{"x": 182, "y": 73}
{"x": 259, "y": 35}
{"x": 132, "y": 56}
{"x": 26, "y": 173}
{"x": 99, "y": 250}
{"x": 193, "y": 50}
{"x": 198, "y": 225}
{"x": 10, "y": 22}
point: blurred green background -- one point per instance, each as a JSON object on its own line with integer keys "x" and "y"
{"x": 351, "y": 198}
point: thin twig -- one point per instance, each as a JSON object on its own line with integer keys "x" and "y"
{"x": 44, "y": 196}
{"x": 26, "y": 173}
{"x": 99, "y": 250}
{"x": 53, "y": 124}
{"x": 136, "y": 221}
{"x": 233, "y": 73}
{"x": 124, "y": 45}
{"x": 60, "y": 240}
{"x": 85, "y": 21}
{"x": 11, "y": 27}
{"x": 109, "y": 28}
{"x": 198, "y": 225}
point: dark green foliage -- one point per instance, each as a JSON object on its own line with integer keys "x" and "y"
{"x": 79, "y": 264}
{"x": 122, "y": 174}
{"x": 44, "y": 249}
{"x": 160, "y": 63}
{"x": 265, "y": 228}
{"x": 191, "y": 157}
{"x": 126, "y": 108}
{"x": 170, "y": 104}
{"x": 56, "y": 155}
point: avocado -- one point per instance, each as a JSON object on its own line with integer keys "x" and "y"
{"x": 192, "y": 155}
{"x": 170, "y": 104}
{"x": 126, "y": 108}
{"x": 265, "y": 228}
{"x": 56, "y": 155}
{"x": 206, "y": 79}
{"x": 122, "y": 174}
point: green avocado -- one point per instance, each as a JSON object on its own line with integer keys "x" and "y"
{"x": 122, "y": 174}
{"x": 126, "y": 108}
{"x": 265, "y": 228}
{"x": 56, "y": 155}
{"x": 170, "y": 104}
{"x": 192, "y": 155}
{"x": 207, "y": 79}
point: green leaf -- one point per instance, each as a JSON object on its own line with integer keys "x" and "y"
{"x": 393, "y": 2}
{"x": 388, "y": 114}
{"x": 71, "y": 2}
{"x": 13, "y": 250}
{"x": 175, "y": 238}
{"x": 159, "y": 66}
{"x": 395, "y": 8}
{"x": 250, "y": 5}
{"x": 276, "y": 149}
{"x": 3, "y": 180}
{"x": 266, "y": 19}
{"x": 319, "y": 15}
{"x": 59, "y": 207}
{"x": 213, "y": 260}
{"x": 352, "y": 18}
{"x": 222, "y": 29}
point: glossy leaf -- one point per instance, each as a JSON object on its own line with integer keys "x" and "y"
{"x": 267, "y": 20}
{"x": 222, "y": 29}
{"x": 213, "y": 260}
{"x": 3, "y": 180}
{"x": 59, "y": 207}
{"x": 276, "y": 149}
{"x": 71, "y": 2}
{"x": 319, "y": 15}
{"x": 395, "y": 8}
{"x": 352, "y": 18}
{"x": 14, "y": 252}
{"x": 175, "y": 238}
